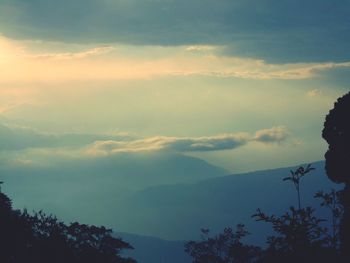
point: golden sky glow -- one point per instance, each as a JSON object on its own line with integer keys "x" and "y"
{"x": 19, "y": 64}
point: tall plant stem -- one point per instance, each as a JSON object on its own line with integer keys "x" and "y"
{"x": 298, "y": 191}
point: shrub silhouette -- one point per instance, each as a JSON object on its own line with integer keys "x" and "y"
{"x": 42, "y": 238}
{"x": 223, "y": 248}
{"x": 331, "y": 201}
{"x": 299, "y": 235}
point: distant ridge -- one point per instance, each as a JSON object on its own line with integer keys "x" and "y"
{"x": 179, "y": 211}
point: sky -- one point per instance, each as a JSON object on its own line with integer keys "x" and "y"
{"x": 243, "y": 85}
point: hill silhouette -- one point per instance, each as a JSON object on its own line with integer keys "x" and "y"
{"x": 179, "y": 211}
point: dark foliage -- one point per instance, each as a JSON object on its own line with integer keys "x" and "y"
{"x": 223, "y": 248}
{"x": 337, "y": 134}
{"x": 299, "y": 235}
{"x": 296, "y": 229}
{"x": 331, "y": 201}
{"x": 42, "y": 238}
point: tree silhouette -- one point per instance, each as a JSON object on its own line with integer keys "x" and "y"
{"x": 337, "y": 134}
{"x": 42, "y": 238}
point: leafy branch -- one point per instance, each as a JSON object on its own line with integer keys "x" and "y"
{"x": 295, "y": 177}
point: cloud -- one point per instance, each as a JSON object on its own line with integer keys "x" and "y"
{"x": 290, "y": 31}
{"x": 257, "y": 69}
{"x": 201, "y": 48}
{"x": 272, "y": 135}
{"x": 119, "y": 63}
{"x": 314, "y": 93}
{"x": 187, "y": 144}
{"x": 9, "y": 106}
{"x": 157, "y": 143}
{"x": 77, "y": 55}
{"x": 23, "y": 146}
{"x": 14, "y": 138}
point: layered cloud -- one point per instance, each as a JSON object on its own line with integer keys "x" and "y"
{"x": 187, "y": 144}
{"x": 215, "y": 143}
{"x": 21, "y": 63}
{"x": 73, "y": 55}
{"x": 20, "y": 138}
{"x": 287, "y": 31}
{"x": 14, "y": 138}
